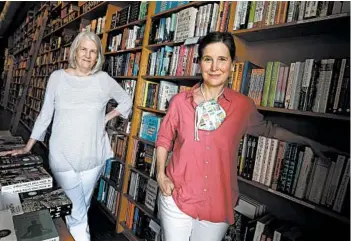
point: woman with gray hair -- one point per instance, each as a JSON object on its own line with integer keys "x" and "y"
{"x": 79, "y": 146}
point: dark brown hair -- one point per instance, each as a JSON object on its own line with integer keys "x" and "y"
{"x": 218, "y": 37}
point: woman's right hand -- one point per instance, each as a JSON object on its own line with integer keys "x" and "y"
{"x": 165, "y": 184}
{"x": 15, "y": 152}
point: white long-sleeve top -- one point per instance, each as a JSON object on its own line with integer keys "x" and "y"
{"x": 78, "y": 104}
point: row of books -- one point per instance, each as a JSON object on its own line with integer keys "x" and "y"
{"x": 180, "y": 60}
{"x": 310, "y": 85}
{"x": 295, "y": 170}
{"x": 144, "y": 191}
{"x": 135, "y": 11}
{"x": 191, "y": 22}
{"x": 124, "y": 64}
{"x": 253, "y": 14}
{"x": 28, "y": 198}
{"x": 253, "y": 222}
{"x": 127, "y": 39}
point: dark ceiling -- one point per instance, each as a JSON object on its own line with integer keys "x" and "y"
{"x": 18, "y": 18}
{"x": 2, "y": 3}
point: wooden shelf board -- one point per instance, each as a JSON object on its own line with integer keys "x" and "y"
{"x": 174, "y": 78}
{"x": 177, "y": 9}
{"x": 106, "y": 211}
{"x": 304, "y": 113}
{"x": 143, "y": 208}
{"x": 137, "y": 22}
{"x": 89, "y": 14}
{"x": 144, "y": 174}
{"x": 145, "y": 141}
{"x": 296, "y": 200}
{"x": 159, "y": 45}
{"x": 152, "y": 110}
{"x": 314, "y": 26}
{"x": 124, "y": 51}
{"x": 125, "y": 77}
{"x": 111, "y": 183}
{"x": 128, "y": 233}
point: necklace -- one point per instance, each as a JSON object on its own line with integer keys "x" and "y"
{"x": 202, "y": 92}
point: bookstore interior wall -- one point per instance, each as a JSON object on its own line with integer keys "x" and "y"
{"x": 285, "y": 50}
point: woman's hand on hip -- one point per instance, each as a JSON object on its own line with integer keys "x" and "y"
{"x": 165, "y": 184}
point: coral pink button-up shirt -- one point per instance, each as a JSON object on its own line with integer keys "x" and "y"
{"x": 205, "y": 172}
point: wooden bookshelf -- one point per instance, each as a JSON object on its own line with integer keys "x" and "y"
{"x": 145, "y": 175}
{"x": 245, "y": 39}
{"x": 143, "y": 208}
{"x": 161, "y": 112}
{"x": 304, "y": 113}
{"x": 137, "y": 22}
{"x": 177, "y": 9}
{"x": 128, "y": 233}
{"x": 313, "y": 26}
{"x": 124, "y": 51}
{"x": 159, "y": 45}
{"x": 106, "y": 211}
{"x": 172, "y": 78}
{"x": 299, "y": 201}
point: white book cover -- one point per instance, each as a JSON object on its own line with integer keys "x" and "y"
{"x": 7, "y": 228}
{"x": 12, "y": 202}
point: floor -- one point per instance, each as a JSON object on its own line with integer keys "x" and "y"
{"x": 100, "y": 227}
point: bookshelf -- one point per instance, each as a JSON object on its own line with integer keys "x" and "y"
{"x": 315, "y": 38}
{"x": 285, "y": 35}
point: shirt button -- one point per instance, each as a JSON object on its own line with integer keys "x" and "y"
{"x": 206, "y": 176}
{"x": 205, "y": 190}
{"x": 207, "y": 147}
{"x": 206, "y": 162}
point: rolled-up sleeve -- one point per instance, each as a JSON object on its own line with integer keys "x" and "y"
{"x": 169, "y": 126}
{"x": 45, "y": 116}
{"x": 116, "y": 92}
{"x": 257, "y": 125}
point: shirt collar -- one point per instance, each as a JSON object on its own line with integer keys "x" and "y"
{"x": 225, "y": 94}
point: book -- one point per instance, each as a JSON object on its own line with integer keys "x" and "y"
{"x": 35, "y": 226}
{"x": 24, "y": 179}
{"x": 7, "y": 162}
{"x": 7, "y": 229}
{"x": 55, "y": 200}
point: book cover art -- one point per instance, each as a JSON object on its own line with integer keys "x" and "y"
{"x": 24, "y": 179}
{"x": 27, "y": 160}
{"x": 55, "y": 200}
{"x": 7, "y": 229}
{"x": 35, "y": 226}
{"x": 12, "y": 202}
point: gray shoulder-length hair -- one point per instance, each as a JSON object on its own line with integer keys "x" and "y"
{"x": 74, "y": 47}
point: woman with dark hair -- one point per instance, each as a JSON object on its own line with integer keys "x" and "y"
{"x": 204, "y": 127}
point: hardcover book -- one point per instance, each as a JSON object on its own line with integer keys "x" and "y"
{"x": 55, "y": 200}
{"x": 7, "y": 229}
{"x": 24, "y": 179}
{"x": 7, "y": 162}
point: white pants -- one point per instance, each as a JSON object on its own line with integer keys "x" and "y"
{"x": 79, "y": 188}
{"x": 178, "y": 226}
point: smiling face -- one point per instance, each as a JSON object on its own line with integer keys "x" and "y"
{"x": 215, "y": 64}
{"x": 87, "y": 54}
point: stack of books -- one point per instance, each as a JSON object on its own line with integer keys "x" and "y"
{"x": 28, "y": 199}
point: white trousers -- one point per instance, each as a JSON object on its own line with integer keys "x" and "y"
{"x": 178, "y": 226}
{"x": 79, "y": 188}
